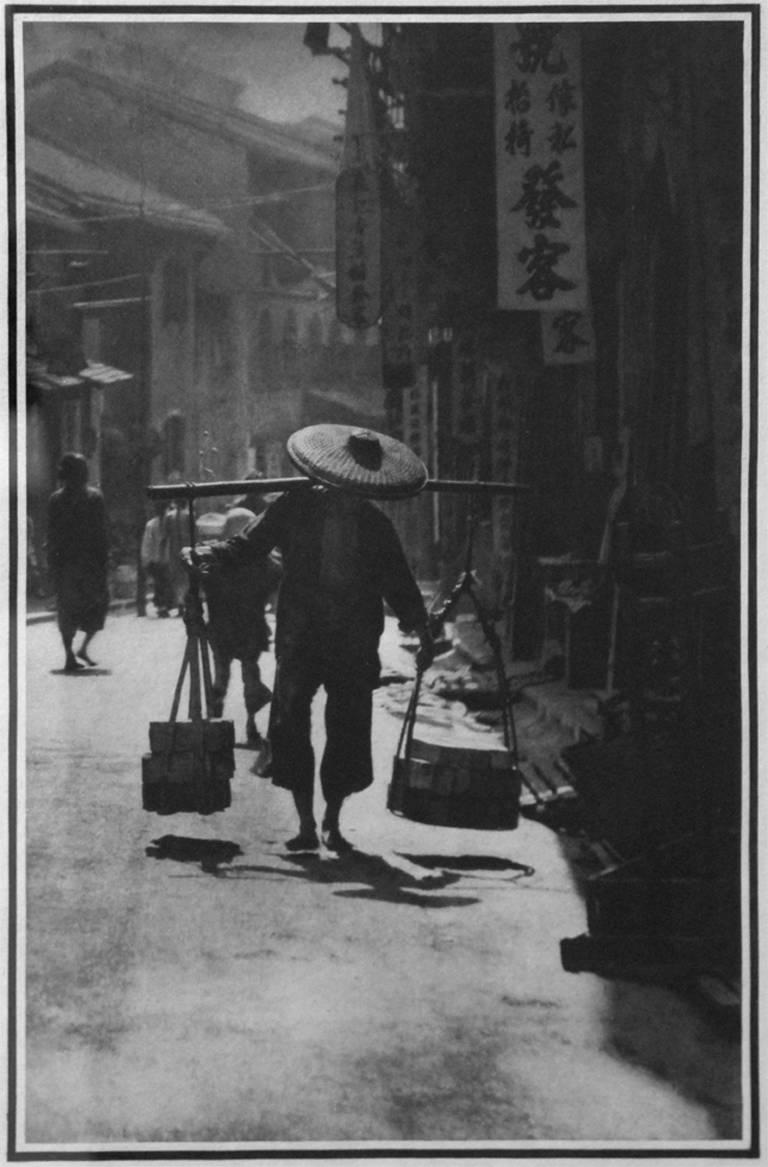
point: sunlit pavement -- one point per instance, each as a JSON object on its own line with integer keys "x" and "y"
{"x": 232, "y": 992}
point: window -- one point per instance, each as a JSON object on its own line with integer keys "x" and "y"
{"x": 213, "y": 340}
{"x": 174, "y": 428}
{"x": 265, "y": 342}
{"x": 314, "y": 333}
{"x": 290, "y": 340}
{"x": 174, "y": 292}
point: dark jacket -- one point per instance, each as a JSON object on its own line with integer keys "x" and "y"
{"x": 78, "y": 531}
{"x": 341, "y": 560}
{"x": 77, "y": 546}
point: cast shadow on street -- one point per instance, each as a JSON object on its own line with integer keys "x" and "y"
{"x": 381, "y": 880}
{"x": 81, "y": 672}
{"x": 209, "y": 853}
{"x": 385, "y": 881}
{"x": 471, "y": 863}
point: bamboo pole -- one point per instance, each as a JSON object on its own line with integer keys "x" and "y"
{"x": 279, "y": 485}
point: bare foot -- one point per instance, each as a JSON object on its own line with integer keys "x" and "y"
{"x": 304, "y": 841}
{"x": 335, "y": 841}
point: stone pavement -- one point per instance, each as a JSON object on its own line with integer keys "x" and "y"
{"x": 412, "y": 990}
{"x": 548, "y": 717}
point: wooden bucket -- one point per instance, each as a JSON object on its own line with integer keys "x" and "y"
{"x": 453, "y": 786}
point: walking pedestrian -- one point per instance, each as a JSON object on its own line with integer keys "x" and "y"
{"x": 34, "y": 575}
{"x": 236, "y": 597}
{"x": 155, "y": 560}
{"x": 341, "y": 559}
{"x": 176, "y": 534}
{"x": 78, "y": 549}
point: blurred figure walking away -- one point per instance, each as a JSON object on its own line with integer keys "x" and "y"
{"x": 35, "y": 587}
{"x": 78, "y": 549}
{"x": 176, "y": 533}
{"x": 155, "y": 560}
{"x": 237, "y": 597}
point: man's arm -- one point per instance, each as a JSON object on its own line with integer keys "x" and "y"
{"x": 402, "y": 593}
{"x": 252, "y": 544}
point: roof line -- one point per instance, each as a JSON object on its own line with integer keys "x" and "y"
{"x": 154, "y": 206}
{"x": 234, "y": 124}
{"x": 266, "y": 235}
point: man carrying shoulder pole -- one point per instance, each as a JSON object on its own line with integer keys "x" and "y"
{"x": 341, "y": 560}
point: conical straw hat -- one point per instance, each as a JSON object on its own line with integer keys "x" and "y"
{"x": 358, "y": 460}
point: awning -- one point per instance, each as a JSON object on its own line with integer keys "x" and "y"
{"x": 39, "y": 377}
{"x": 104, "y": 374}
{"x": 93, "y": 374}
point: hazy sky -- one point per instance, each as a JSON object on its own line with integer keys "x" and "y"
{"x": 282, "y": 80}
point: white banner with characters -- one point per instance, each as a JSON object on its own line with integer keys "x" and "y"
{"x": 539, "y": 167}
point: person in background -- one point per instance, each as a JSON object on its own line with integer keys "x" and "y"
{"x": 78, "y": 550}
{"x": 341, "y": 559}
{"x": 237, "y": 627}
{"x": 176, "y": 533}
{"x": 34, "y": 575}
{"x": 155, "y": 560}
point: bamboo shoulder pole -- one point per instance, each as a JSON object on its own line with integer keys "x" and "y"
{"x": 279, "y": 485}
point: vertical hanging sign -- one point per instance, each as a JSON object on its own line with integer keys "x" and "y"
{"x": 358, "y": 209}
{"x": 567, "y": 337}
{"x": 358, "y": 250}
{"x": 416, "y": 415}
{"x": 539, "y": 168}
{"x": 401, "y": 325}
{"x": 505, "y": 403}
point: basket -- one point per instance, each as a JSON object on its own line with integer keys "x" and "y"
{"x": 450, "y": 786}
{"x": 189, "y": 766}
{"x": 190, "y": 763}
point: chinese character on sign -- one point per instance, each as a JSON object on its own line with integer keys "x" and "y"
{"x": 568, "y": 339}
{"x": 542, "y": 195}
{"x": 561, "y": 137}
{"x": 562, "y": 98}
{"x": 518, "y": 138}
{"x": 540, "y": 167}
{"x": 541, "y": 260}
{"x": 358, "y": 248}
{"x": 536, "y": 49}
{"x": 518, "y": 97}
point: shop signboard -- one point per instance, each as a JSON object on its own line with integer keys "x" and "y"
{"x": 358, "y": 209}
{"x": 416, "y": 415}
{"x": 539, "y": 168}
{"x": 505, "y": 428}
{"x": 401, "y": 325}
{"x": 567, "y": 337}
{"x": 358, "y": 248}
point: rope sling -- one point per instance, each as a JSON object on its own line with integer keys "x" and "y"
{"x": 190, "y": 763}
{"x": 457, "y": 786}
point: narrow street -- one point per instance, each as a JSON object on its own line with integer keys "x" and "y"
{"x": 189, "y": 981}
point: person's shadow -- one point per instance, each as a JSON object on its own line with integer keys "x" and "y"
{"x": 385, "y": 881}
{"x": 471, "y": 863}
{"x": 84, "y": 672}
{"x": 381, "y": 880}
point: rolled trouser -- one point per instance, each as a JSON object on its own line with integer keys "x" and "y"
{"x": 255, "y": 692}
{"x": 346, "y": 765}
{"x": 222, "y": 667}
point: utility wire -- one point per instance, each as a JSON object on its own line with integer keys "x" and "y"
{"x": 79, "y": 287}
